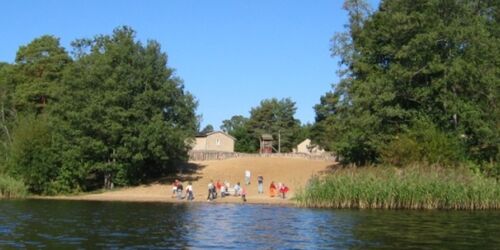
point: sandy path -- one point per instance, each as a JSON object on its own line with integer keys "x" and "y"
{"x": 294, "y": 172}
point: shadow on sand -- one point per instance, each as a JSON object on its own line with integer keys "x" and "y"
{"x": 186, "y": 172}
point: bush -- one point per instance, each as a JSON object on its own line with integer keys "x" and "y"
{"x": 31, "y": 158}
{"x": 11, "y": 188}
{"x": 424, "y": 142}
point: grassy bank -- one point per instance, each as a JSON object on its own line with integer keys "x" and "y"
{"x": 11, "y": 188}
{"x": 409, "y": 188}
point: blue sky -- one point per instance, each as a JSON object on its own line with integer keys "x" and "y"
{"x": 230, "y": 54}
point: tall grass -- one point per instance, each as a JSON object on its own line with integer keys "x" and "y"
{"x": 11, "y": 188}
{"x": 414, "y": 187}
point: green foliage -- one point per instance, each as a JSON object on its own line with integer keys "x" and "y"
{"x": 130, "y": 113}
{"x": 415, "y": 187}
{"x": 236, "y": 122}
{"x": 412, "y": 59}
{"x": 31, "y": 158}
{"x": 7, "y": 110}
{"x": 275, "y": 117}
{"x": 272, "y": 116}
{"x": 114, "y": 114}
{"x": 39, "y": 68}
{"x": 11, "y": 188}
{"x": 238, "y": 128}
{"x": 208, "y": 129}
{"x": 423, "y": 143}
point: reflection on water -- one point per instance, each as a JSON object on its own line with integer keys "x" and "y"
{"x": 79, "y": 224}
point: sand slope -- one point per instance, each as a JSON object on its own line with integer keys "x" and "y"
{"x": 294, "y": 172}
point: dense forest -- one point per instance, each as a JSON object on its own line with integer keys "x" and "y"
{"x": 420, "y": 83}
{"x": 110, "y": 112}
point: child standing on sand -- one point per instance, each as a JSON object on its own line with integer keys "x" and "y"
{"x": 247, "y": 177}
{"x": 189, "y": 191}
{"x": 272, "y": 189}
{"x": 174, "y": 187}
{"x": 283, "y": 190}
{"x": 260, "y": 181}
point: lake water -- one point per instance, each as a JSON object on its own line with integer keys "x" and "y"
{"x": 86, "y": 225}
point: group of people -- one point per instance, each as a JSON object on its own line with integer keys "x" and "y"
{"x": 177, "y": 190}
{"x": 278, "y": 190}
{"x": 224, "y": 189}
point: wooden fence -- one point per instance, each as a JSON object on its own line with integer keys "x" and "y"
{"x": 216, "y": 155}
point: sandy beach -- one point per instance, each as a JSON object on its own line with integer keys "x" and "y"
{"x": 294, "y": 172}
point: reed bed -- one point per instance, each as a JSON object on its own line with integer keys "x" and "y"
{"x": 11, "y": 188}
{"x": 414, "y": 187}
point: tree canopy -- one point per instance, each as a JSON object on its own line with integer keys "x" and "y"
{"x": 207, "y": 129}
{"x": 237, "y": 127}
{"x": 115, "y": 113}
{"x": 39, "y": 69}
{"x": 276, "y": 117}
{"x": 272, "y": 116}
{"x": 426, "y": 65}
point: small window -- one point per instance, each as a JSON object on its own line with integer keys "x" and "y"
{"x": 217, "y": 141}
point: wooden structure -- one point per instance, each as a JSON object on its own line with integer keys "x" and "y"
{"x": 266, "y": 144}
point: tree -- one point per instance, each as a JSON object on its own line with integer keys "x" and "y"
{"x": 7, "y": 111}
{"x": 276, "y": 117}
{"x": 125, "y": 111}
{"x": 27, "y": 89}
{"x": 30, "y": 157}
{"x": 322, "y": 132}
{"x": 237, "y": 127}
{"x": 432, "y": 59}
{"x": 236, "y": 122}
{"x": 208, "y": 129}
{"x": 114, "y": 114}
{"x": 39, "y": 68}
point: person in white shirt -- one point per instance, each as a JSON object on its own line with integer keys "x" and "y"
{"x": 237, "y": 189}
{"x": 223, "y": 191}
{"x": 247, "y": 177}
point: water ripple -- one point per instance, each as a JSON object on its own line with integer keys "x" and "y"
{"x": 72, "y": 224}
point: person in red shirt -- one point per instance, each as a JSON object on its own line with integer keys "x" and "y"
{"x": 218, "y": 185}
{"x": 283, "y": 190}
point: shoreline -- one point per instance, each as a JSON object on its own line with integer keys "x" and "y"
{"x": 276, "y": 201}
{"x": 294, "y": 172}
